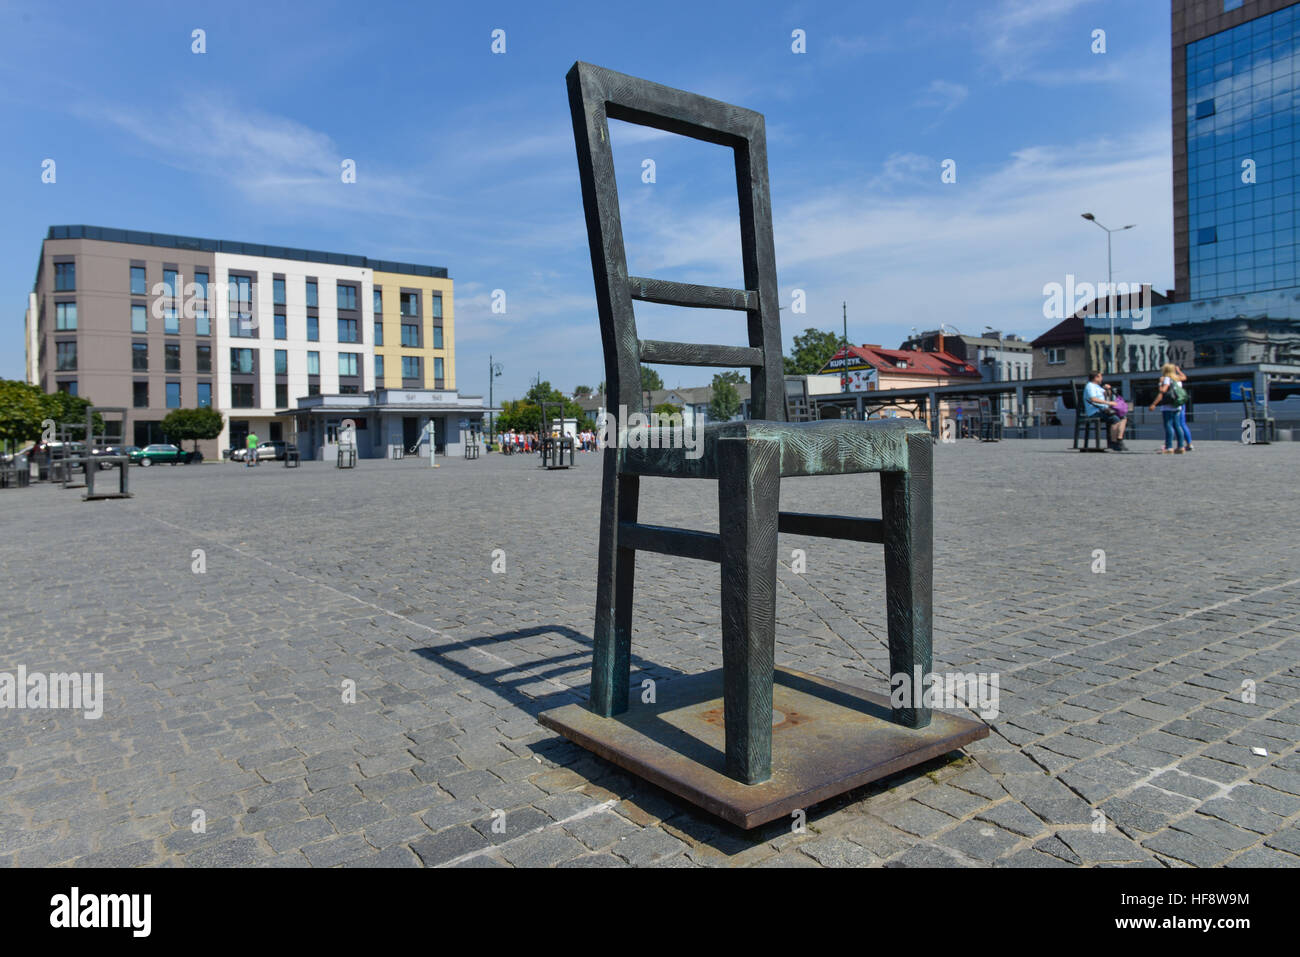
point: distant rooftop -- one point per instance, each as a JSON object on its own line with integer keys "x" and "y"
{"x": 167, "y": 240}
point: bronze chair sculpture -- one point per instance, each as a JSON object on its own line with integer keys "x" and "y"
{"x": 747, "y": 458}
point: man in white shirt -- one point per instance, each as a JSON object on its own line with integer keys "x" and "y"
{"x": 1096, "y": 403}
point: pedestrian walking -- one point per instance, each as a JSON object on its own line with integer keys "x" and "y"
{"x": 1172, "y": 400}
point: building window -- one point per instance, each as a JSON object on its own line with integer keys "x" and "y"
{"x": 140, "y": 356}
{"x": 68, "y": 385}
{"x": 313, "y": 363}
{"x": 65, "y": 316}
{"x": 410, "y": 303}
{"x": 313, "y": 329}
{"x": 349, "y": 390}
{"x": 170, "y": 284}
{"x": 436, "y": 299}
{"x": 281, "y": 327}
{"x": 379, "y": 333}
{"x": 140, "y": 395}
{"x": 348, "y": 363}
{"x": 410, "y": 367}
{"x": 241, "y": 395}
{"x": 437, "y": 337}
{"x": 282, "y": 395}
{"x": 311, "y": 292}
{"x": 437, "y": 367}
{"x": 202, "y": 327}
{"x": 205, "y": 395}
{"x": 1230, "y": 5}
{"x": 313, "y": 388}
{"x": 172, "y": 357}
{"x": 410, "y": 335}
{"x": 241, "y": 307}
{"x": 171, "y": 321}
{"x": 203, "y": 358}
{"x": 281, "y": 361}
{"x": 277, "y": 291}
{"x": 348, "y": 331}
{"x": 1205, "y": 108}
{"x": 379, "y": 303}
{"x": 65, "y": 277}
{"x": 139, "y": 319}
{"x": 347, "y": 296}
{"x": 201, "y": 286}
{"x": 138, "y": 288}
{"x": 173, "y": 395}
{"x": 66, "y": 356}
{"x": 379, "y": 370}
{"x": 241, "y": 361}
{"x": 1206, "y": 234}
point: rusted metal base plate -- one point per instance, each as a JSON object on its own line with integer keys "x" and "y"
{"x": 827, "y": 738}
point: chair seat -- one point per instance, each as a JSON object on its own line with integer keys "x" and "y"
{"x": 825, "y": 447}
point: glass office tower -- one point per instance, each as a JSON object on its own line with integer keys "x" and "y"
{"x": 1242, "y": 167}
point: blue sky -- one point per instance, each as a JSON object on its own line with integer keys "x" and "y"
{"x": 465, "y": 158}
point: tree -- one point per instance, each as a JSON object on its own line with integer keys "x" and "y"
{"x": 600, "y": 389}
{"x": 24, "y": 407}
{"x": 582, "y": 390}
{"x": 725, "y": 402}
{"x": 667, "y": 409}
{"x": 651, "y": 381}
{"x": 731, "y": 375}
{"x": 21, "y": 411}
{"x": 525, "y": 415}
{"x": 812, "y": 351}
{"x": 192, "y": 424}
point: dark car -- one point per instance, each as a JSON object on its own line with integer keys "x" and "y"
{"x": 162, "y": 452}
{"x": 126, "y": 450}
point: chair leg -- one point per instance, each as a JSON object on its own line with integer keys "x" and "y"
{"x": 612, "y": 642}
{"x": 907, "y": 502}
{"x": 749, "y": 487}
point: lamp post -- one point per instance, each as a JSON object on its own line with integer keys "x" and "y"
{"x": 494, "y": 370}
{"x": 1110, "y": 281}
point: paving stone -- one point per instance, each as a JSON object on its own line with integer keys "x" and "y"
{"x": 543, "y": 849}
{"x": 447, "y": 845}
{"x": 1013, "y": 817}
{"x": 1092, "y": 848}
{"x": 648, "y": 846}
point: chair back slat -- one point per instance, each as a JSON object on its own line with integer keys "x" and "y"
{"x": 684, "y": 294}
{"x": 698, "y": 354}
{"x": 597, "y": 95}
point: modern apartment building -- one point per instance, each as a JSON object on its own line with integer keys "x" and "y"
{"x": 414, "y": 331}
{"x": 154, "y": 322}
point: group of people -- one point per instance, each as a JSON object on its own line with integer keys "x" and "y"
{"x": 528, "y": 442}
{"x": 1171, "y": 398}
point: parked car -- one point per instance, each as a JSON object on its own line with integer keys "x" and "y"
{"x": 113, "y": 450}
{"x": 273, "y": 450}
{"x": 236, "y": 454}
{"x": 162, "y": 452}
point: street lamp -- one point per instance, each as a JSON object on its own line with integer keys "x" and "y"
{"x": 494, "y": 370}
{"x": 1110, "y": 281}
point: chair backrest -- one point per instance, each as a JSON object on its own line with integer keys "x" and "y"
{"x": 595, "y": 96}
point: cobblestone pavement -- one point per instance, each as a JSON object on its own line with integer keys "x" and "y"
{"x": 1127, "y": 734}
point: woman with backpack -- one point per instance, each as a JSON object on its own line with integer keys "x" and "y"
{"x": 1172, "y": 399}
